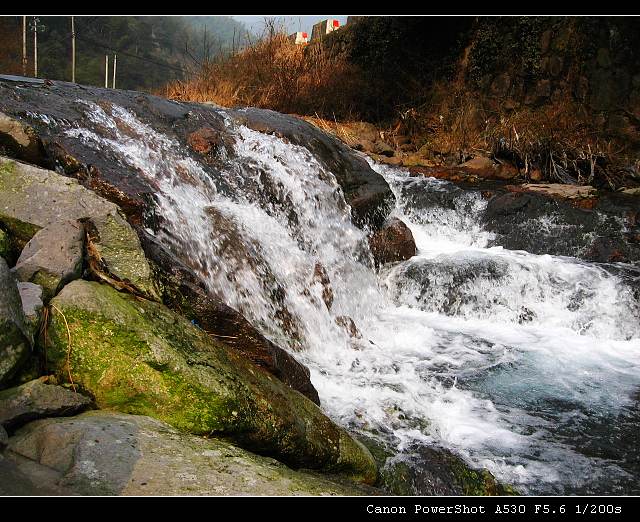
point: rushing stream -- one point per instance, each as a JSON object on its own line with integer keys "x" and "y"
{"x": 528, "y": 365}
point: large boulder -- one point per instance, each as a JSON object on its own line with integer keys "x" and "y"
{"x": 365, "y": 190}
{"x": 35, "y": 400}
{"x": 112, "y": 245}
{"x": 14, "y": 340}
{"x": 106, "y": 453}
{"x": 393, "y": 242}
{"x": 138, "y": 357}
{"x": 53, "y": 257}
{"x": 201, "y": 129}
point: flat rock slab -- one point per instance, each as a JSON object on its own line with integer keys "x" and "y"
{"x": 35, "y": 400}
{"x": 32, "y": 198}
{"x": 556, "y": 190}
{"x": 106, "y": 453}
{"x": 53, "y": 257}
{"x": 14, "y": 344}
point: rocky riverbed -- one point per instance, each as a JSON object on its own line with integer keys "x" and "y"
{"x": 122, "y": 371}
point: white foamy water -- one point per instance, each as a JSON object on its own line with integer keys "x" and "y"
{"x": 519, "y": 363}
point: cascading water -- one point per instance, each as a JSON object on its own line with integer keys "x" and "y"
{"x": 524, "y": 364}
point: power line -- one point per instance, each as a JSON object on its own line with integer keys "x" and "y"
{"x": 130, "y": 55}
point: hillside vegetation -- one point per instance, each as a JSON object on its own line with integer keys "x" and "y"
{"x": 557, "y": 97}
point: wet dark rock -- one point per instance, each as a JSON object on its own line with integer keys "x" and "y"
{"x": 366, "y": 191}
{"x": 321, "y": 277}
{"x": 44, "y": 108}
{"x": 20, "y": 141}
{"x": 204, "y": 140}
{"x": 393, "y": 242}
{"x": 4, "y": 438}
{"x": 540, "y": 224}
{"x": 35, "y": 400}
{"x": 14, "y": 337}
{"x": 448, "y": 285}
{"x": 349, "y": 326}
{"x": 184, "y": 292}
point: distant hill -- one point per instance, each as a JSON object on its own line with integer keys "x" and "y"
{"x": 152, "y": 50}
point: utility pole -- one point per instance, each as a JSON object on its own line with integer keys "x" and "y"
{"x": 73, "y": 51}
{"x": 24, "y": 46}
{"x": 115, "y": 61}
{"x": 205, "y": 57}
{"x": 106, "y": 71}
{"x": 35, "y": 46}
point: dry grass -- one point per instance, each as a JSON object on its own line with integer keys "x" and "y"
{"x": 276, "y": 74}
{"x": 560, "y": 139}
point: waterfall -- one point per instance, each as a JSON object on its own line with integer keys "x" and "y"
{"x": 519, "y": 363}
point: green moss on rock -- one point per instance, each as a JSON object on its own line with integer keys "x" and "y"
{"x": 32, "y": 198}
{"x": 138, "y": 357}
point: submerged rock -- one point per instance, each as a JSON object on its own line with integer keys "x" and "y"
{"x": 14, "y": 343}
{"x": 542, "y": 221}
{"x": 436, "y": 471}
{"x": 53, "y": 257}
{"x": 393, "y": 242}
{"x": 113, "y": 246}
{"x": 320, "y": 277}
{"x": 138, "y": 357}
{"x": 106, "y": 453}
{"x": 35, "y": 400}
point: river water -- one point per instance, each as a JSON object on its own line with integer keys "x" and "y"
{"x": 527, "y": 365}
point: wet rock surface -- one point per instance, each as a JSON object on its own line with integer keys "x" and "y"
{"x": 367, "y": 192}
{"x": 106, "y": 453}
{"x": 436, "y": 471}
{"x": 19, "y": 140}
{"x": 36, "y": 400}
{"x": 184, "y": 292}
{"x": 393, "y": 242}
{"x": 200, "y": 128}
{"x": 607, "y": 232}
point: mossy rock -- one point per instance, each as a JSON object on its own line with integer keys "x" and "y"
{"x": 138, "y": 357}
{"x": 6, "y": 251}
{"x": 32, "y": 198}
{"x": 436, "y": 471}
